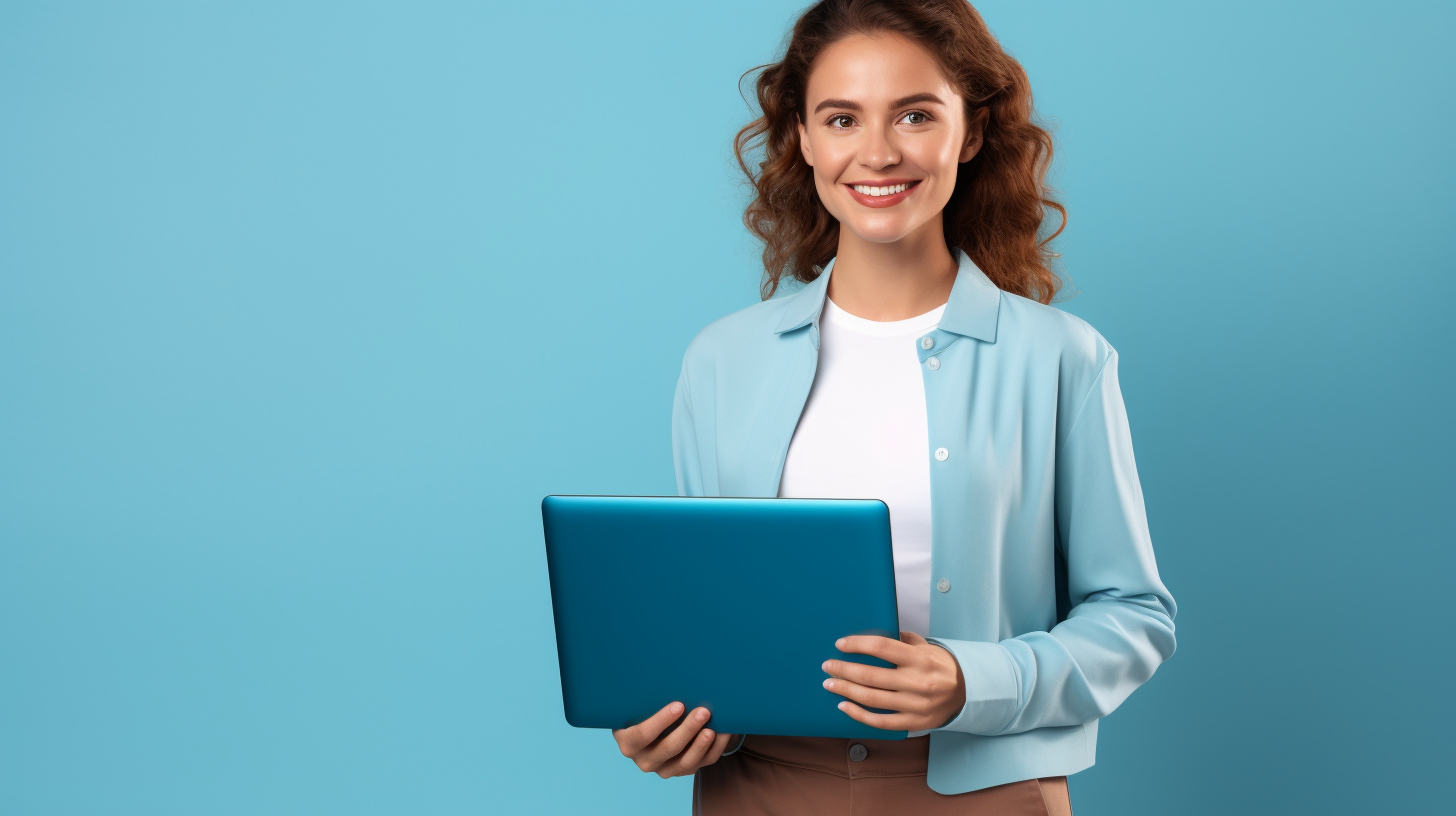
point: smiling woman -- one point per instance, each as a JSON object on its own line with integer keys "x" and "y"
{"x": 993, "y": 203}
{"x": 902, "y": 181}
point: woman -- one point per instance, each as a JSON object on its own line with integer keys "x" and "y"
{"x": 903, "y": 183}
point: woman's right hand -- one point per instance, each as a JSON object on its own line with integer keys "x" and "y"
{"x": 687, "y": 748}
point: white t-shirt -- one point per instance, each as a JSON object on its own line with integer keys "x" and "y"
{"x": 863, "y": 435}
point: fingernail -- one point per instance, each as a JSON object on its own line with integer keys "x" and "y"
{"x": 825, "y": 667}
{"x": 675, "y": 708}
{"x": 841, "y": 706}
{"x": 708, "y": 732}
{"x": 839, "y": 644}
{"x": 829, "y": 684}
{"x": 702, "y": 715}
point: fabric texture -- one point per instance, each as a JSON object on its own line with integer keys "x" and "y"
{"x": 1044, "y": 584}
{"x": 803, "y": 776}
{"x": 863, "y": 435}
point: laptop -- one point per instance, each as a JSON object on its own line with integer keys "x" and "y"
{"x": 728, "y": 603}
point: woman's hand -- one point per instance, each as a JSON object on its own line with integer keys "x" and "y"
{"x": 687, "y": 748}
{"x": 925, "y": 689}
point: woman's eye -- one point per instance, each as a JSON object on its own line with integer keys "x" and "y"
{"x": 841, "y": 122}
{"x": 915, "y": 118}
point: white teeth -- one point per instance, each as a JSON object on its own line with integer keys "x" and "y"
{"x": 865, "y": 189}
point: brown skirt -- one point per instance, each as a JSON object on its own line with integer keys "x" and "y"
{"x": 803, "y": 776}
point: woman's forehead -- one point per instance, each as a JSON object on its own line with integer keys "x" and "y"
{"x": 875, "y": 69}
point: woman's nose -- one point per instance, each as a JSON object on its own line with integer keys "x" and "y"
{"x": 878, "y": 150}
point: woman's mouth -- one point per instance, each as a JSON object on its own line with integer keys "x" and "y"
{"x": 885, "y": 193}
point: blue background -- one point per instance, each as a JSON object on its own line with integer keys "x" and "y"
{"x": 303, "y": 307}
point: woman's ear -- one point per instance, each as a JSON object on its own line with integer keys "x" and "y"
{"x": 804, "y": 148}
{"x": 974, "y": 138}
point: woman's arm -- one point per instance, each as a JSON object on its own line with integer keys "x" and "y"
{"x": 685, "y": 460}
{"x": 1120, "y": 627}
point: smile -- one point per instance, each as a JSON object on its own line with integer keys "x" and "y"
{"x": 865, "y": 189}
{"x": 885, "y": 193}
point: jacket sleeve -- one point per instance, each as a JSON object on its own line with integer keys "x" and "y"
{"x": 1120, "y": 627}
{"x": 685, "y": 459}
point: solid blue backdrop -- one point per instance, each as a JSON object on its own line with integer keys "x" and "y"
{"x": 304, "y": 307}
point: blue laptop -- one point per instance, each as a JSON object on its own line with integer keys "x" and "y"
{"x": 731, "y": 604}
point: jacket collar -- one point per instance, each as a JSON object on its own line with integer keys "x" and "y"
{"x": 974, "y": 303}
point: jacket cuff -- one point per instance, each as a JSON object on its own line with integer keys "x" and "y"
{"x": 992, "y": 691}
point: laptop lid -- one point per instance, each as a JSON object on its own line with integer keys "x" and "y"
{"x": 728, "y": 603}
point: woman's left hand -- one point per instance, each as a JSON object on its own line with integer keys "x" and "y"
{"x": 925, "y": 689}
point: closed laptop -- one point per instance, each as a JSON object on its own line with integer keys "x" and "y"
{"x": 728, "y": 603}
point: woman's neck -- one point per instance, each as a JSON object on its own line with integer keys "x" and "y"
{"x": 892, "y": 281}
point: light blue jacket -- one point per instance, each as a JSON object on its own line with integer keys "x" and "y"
{"x": 1043, "y": 580}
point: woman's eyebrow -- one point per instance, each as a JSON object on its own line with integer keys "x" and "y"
{"x": 915, "y": 99}
{"x": 838, "y": 103}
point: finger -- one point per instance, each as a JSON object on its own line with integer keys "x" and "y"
{"x": 688, "y": 760}
{"x": 634, "y": 739}
{"x": 913, "y": 639}
{"x": 874, "y": 697}
{"x": 889, "y": 722}
{"x": 674, "y": 743}
{"x": 865, "y": 675}
{"x": 876, "y": 646}
{"x": 720, "y": 744}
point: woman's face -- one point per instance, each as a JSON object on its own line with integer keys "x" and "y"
{"x": 885, "y": 132}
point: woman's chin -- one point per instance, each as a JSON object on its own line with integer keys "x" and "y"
{"x": 889, "y": 225}
{"x": 881, "y": 233}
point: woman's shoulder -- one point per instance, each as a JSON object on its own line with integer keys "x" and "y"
{"x": 747, "y": 332}
{"x": 1048, "y": 331}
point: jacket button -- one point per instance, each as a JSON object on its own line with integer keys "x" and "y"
{"x": 943, "y": 585}
{"x": 857, "y": 752}
{"x": 927, "y": 342}
{"x": 933, "y": 362}
{"x": 942, "y": 454}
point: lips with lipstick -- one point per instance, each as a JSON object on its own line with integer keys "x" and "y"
{"x": 882, "y": 192}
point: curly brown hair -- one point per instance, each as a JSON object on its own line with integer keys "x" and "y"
{"x": 995, "y": 212}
